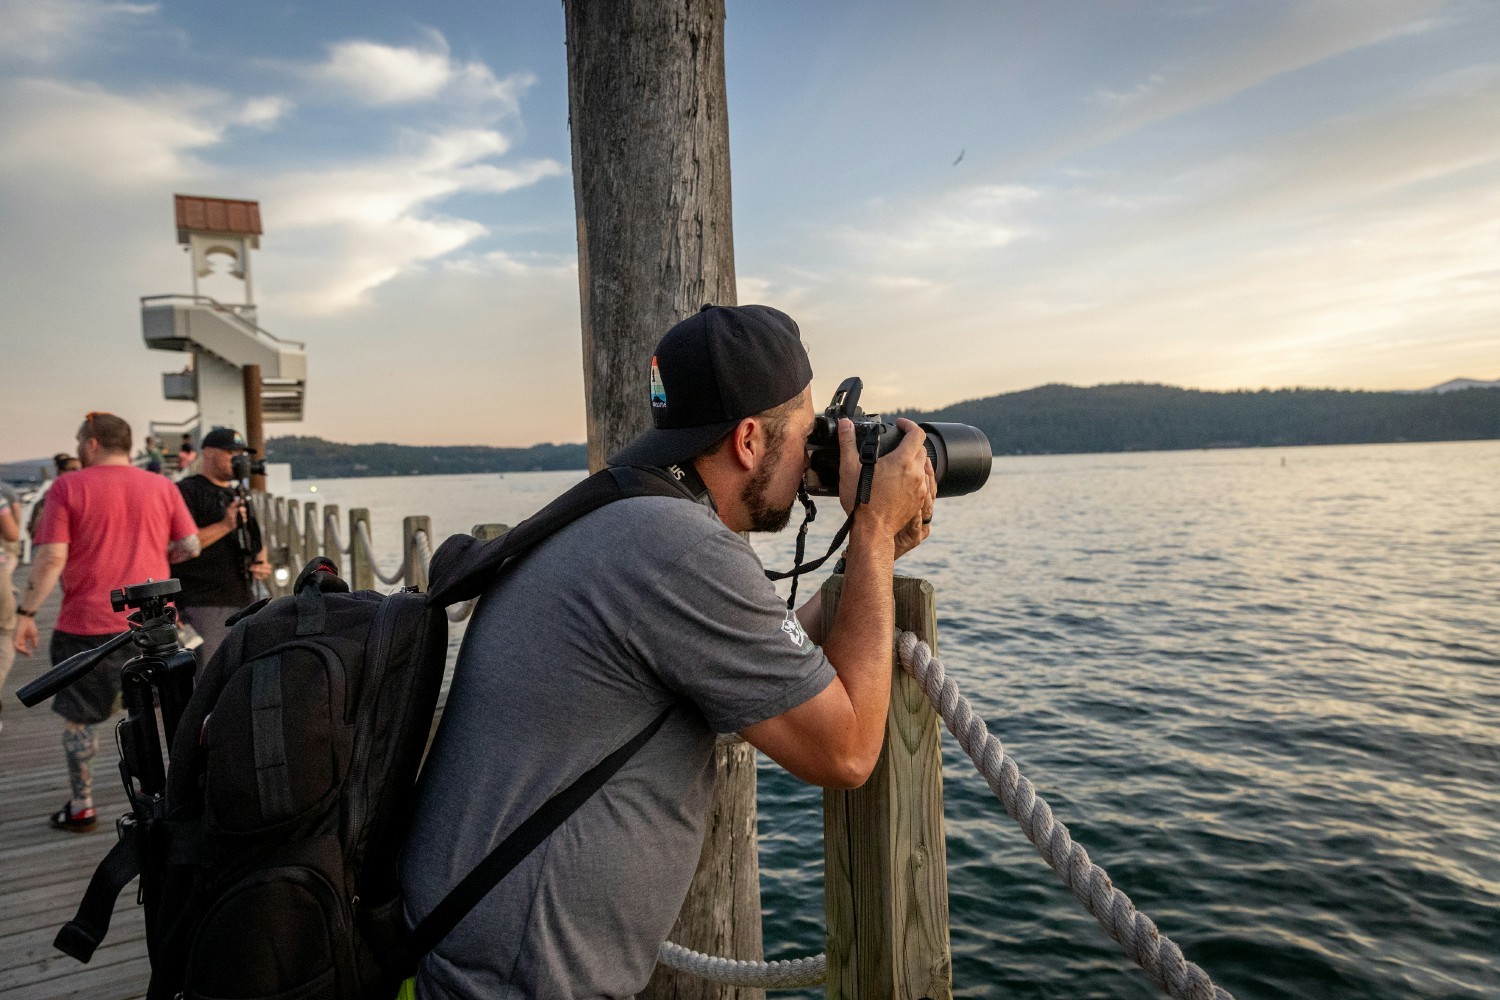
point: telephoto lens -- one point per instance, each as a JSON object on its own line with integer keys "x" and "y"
{"x": 961, "y": 454}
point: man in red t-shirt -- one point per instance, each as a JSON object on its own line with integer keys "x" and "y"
{"x": 106, "y": 526}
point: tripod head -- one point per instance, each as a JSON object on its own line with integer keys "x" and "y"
{"x": 153, "y": 629}
{"x": 159, "y": 676}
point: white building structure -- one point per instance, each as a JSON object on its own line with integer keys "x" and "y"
{"x": 221, "y": 338}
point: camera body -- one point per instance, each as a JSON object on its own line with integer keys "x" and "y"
{"x": 245, "y": 465}
{"x": 961, "y": 454}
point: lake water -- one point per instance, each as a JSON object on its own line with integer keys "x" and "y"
{"x": 1262, "y": 687}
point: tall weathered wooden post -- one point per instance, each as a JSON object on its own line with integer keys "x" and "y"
{"x": 255, "y": 428}
{"x": 650, "y": 125}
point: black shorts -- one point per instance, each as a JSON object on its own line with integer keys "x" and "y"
{"x": 90, "y": 699}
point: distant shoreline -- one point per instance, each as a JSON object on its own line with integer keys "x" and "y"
{"x": 1048, "y": 420}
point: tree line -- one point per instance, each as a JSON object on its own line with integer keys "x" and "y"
{"x": 313, "y": 457}
{"x": 1050, "y": 419}
{"x": 1058, "y": 419}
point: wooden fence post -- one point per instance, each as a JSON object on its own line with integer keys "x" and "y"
{"x": 294, "y": 537}
{"x": 309, "y": 532}
{"x": 331, "y": 536}
{"x": 361, "y": 571}
{"x": 485, "y": 532}
{"x": 885, "y": 869}
{"x": 413, "y": 568}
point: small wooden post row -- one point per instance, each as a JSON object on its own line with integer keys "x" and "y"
{"x": 885, "y": 867}
{"x": 310, "y": 546}
{"x": 331, "y": 548}
{"x": 413, "y": 569}
{"x": 361, "y": 571}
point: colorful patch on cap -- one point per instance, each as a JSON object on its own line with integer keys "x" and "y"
{"x": 658, "y": 390}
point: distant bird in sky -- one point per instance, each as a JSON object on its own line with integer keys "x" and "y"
{"x": 961, "y": 153}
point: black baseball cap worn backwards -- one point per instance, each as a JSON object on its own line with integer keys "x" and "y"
{"x": 713, "y": 370}
{"x": 226, "y": 438}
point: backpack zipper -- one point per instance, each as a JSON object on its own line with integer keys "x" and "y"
{"x": 357, "y": 800}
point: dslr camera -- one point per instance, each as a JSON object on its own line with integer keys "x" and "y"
{"x": 244, "y": 465}
{"x": 961, "y": 454}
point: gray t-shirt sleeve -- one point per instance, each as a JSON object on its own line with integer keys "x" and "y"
{"x": 716, "y": 633}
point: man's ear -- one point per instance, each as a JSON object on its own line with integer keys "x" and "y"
{"x": 745, "y": 443}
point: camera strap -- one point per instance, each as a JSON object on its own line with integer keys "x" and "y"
{"x": 687, "y": 476}
{"x": 868, "y": 454}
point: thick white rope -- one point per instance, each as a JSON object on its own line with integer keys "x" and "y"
{"x": 1162, "y": 960}
{"x": 785, "y": 974}
{"x": 362, "y": 538}
{"x": 424, "y": 549}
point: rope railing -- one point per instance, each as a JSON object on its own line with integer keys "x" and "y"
{"x": 362, "y": 538}
{"x": 1135, "y": 932}
{"x": 784, "y": 974}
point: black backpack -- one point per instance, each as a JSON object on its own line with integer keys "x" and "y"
{"x": 273, "y": 869}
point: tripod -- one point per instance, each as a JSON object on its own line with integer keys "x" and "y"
{"x": 159, "y": 675}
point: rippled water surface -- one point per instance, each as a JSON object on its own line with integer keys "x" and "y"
{"x": 1262, "y": 688}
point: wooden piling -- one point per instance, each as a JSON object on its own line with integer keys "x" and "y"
{"x": 294, "y": 537}
{"x": 331, "y": 535}
{"x": 885, "y": 870}
{"x": 414, "y": 569}
{"x": 361, "y": 570}
{"x": 255, "y": 430}
{"x": 310, "y": 547}
{"x": 650, "y": 130}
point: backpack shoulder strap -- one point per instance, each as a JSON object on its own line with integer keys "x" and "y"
{"x": 463, "y": 566}
{"x": 519, "y": 843}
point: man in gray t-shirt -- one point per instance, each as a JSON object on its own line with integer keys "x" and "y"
{"x": 646, "y": 604}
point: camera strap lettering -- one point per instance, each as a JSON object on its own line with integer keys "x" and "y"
{"x": 687, "y": 477}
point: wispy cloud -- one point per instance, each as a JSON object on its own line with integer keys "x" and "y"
{"x": 910, "y": 237}
{"x": 376, "y": 74}
{"x": 379, "y": 217}
{"x": 39, "y": 31}
{"x": 1246, "y": 51}
{"x": 75, "y": 130}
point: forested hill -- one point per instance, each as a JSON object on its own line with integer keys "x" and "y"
{"x": 1051, "y": 419}
{"x": 314, "y": 458}
{"x": 1054, "y": 419}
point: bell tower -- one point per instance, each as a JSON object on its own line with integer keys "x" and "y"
{"x": 221, "y": 337}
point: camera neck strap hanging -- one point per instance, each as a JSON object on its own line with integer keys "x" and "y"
{"x": 869, "y": 452}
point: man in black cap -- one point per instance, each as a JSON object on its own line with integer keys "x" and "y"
{"x": 646, "y": 604}
{"x": 218, "y": 583}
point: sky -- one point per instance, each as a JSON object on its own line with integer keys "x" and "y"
{"x": 953, "y": 199}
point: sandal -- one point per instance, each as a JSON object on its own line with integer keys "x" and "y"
{"x": 79, "y": 822}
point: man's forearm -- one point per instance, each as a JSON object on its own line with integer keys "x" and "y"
{"x": 47, "y": 564}
{"x": 859, "y": 642}
{"x": 183, "y": 549}
{"x": 209, "y": 534}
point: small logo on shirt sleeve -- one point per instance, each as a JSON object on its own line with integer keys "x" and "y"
{"x": 793, "y": 629}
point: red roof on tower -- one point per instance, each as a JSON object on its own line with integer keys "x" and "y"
{"x": 216, "y": 215}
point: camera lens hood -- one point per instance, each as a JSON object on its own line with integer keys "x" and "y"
{"x": 961, "y": 457}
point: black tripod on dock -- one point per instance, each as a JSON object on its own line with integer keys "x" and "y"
{"x": 160, "y": 675}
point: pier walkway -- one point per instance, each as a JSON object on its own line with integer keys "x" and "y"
{"x": 43, "y": 871}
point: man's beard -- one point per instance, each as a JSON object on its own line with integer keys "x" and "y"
{"x": 763, "y": 516}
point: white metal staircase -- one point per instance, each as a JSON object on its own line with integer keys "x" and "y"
{"x": 203, "y": 326}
